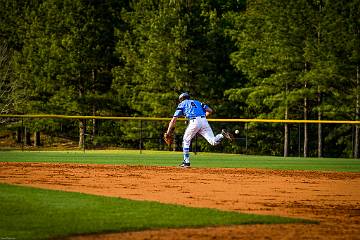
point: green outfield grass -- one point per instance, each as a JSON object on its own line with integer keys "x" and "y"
{"x": 30, "y": 213}
{"x": 208, "y": 160}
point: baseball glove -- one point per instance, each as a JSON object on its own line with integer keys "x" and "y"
{"x": 168, "y": 138}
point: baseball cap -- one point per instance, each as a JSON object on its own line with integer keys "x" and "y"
{"x": 184, "y": 95}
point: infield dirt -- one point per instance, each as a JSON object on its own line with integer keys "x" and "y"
{"x": 332, "y": 198}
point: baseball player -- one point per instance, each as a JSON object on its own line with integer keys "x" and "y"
{"x": 196, "y": 113}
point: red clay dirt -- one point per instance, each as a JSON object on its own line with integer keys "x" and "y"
{"x": 332, "y": 198}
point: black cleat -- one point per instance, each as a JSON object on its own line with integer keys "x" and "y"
{"x": 227, "y": 135}
{"x": 184, "y": 165}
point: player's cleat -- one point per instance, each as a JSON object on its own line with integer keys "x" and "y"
{"x": 184, "y": 165}
{"x": 227, "y": 135}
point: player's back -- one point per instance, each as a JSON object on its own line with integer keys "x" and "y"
{"x": 192, "y": 108}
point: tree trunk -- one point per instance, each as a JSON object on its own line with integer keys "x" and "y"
{"x": 286, "y": 140}
{"x": 37, "y": 142}
{"x": 19, "y": 135}
{"x": 82, "y": 122}
{"x": 82, "y": 129}
{"x": 94, "y": 126}
{"x": 319, "y": 127}
{"x": 27, "y": 137}
{"x": 357, "y": 111}
{"x": 319, "y": 147}
{"x": 306, "y": 140}
{"x": 93, "y": 109}
{"x": 305, "y": 129}
{"x": 356, "y": 142}
{"x": 286, "y": 127}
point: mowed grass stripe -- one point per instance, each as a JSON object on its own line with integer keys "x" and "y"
{"x": 164, "y": 158}
{"x": 30, "y": 213}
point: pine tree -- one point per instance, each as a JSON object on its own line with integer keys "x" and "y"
{"x": 67, "y": 57}
{"x": 270, "y": 52}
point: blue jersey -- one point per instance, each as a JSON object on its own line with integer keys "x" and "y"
{"x": 191, "y": 109}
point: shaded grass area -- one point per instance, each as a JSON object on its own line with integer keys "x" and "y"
{"x": 206, "y": 160}
{"x": 30, "y": 213}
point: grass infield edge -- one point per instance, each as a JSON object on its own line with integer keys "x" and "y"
{"x": 32, "y": 213}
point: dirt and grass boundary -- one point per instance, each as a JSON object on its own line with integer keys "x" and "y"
{"x": 329, "y": 197}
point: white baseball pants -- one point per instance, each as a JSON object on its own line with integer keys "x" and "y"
{"x": 199, "y": 125}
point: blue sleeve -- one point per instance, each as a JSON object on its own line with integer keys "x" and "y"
{"x": 179, "y": 111}
{"x": 204, "y": 106}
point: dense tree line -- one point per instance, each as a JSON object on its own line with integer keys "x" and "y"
{"x": 296, "y": 59}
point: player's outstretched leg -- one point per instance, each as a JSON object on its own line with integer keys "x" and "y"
{"x": 208, "y": 134}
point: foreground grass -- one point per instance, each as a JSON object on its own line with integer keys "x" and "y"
{"x": 29, "y": 213}
{"x": 163, "y": 158}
